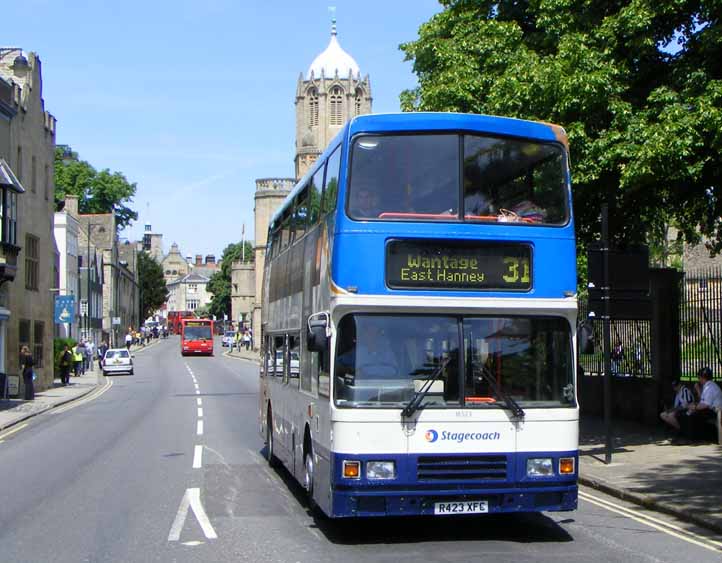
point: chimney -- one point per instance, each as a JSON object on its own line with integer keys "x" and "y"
{"x": 71, "y": 204}
{"x": 210, "y": 259}
{"x": 199, "y": 260}
{"x": 189, "y": 259}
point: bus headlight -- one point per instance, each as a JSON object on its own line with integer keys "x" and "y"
{"x": 539, "y": 467}
{"x": 380, "y": 470}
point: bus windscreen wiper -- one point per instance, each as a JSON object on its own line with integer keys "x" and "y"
{"x": 510, "y": 403}
{"x": 415, "y": 401}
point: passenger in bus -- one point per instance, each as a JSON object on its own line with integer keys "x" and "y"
{"x": 364, "y": 203}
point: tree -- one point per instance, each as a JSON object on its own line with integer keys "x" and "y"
{"x": 153, "y": 290}
{"x": 220, "y": 282}
{"x": 637, "y": 85}
{"x": 98, "y": 192}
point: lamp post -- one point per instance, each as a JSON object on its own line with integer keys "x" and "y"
{"x": 87, "y": 274}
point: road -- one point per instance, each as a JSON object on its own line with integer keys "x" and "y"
{"x": 132, "y": 475}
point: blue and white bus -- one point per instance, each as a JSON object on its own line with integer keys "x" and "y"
{"x": 419, "y": 320}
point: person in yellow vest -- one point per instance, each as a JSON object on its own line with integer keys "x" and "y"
{"x": 77, "y": 360}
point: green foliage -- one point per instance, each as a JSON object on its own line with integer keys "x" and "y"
{"x": 153, "y": 290}
{"x": 98, "y": 192}
{"x": 220, "y": 282}
{"x": 636, "y": 84}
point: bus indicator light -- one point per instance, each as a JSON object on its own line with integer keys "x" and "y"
{"x": 566, "y": 466}
{"x": 351, "y": 469}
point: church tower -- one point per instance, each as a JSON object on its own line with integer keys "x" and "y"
{"x": 331, "y": 93}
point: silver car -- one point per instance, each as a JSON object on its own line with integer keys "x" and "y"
{"x": 117, "y": 360}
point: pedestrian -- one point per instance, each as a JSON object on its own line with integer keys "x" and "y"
{"x": 129, "y": 339}
{"x": 80, "y": 350}
{"x": 683, "y": 398}
{"x": 89, "y": 355}
{"x": 26, "y": 365}
{"x": 65, "y": 361}
{"x": 250, "y": 337}
{"x": 617, "y": 356}
{"x": 102, "y": 349}
{"x": 77, "y": 361}
{"x": 247, "y": 339}
{"x": 694, "y": 425}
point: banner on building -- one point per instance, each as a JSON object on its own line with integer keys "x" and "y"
{"x": 64, "y": 308}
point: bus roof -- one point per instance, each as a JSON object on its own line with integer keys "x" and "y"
{"x": 432, "y": 121}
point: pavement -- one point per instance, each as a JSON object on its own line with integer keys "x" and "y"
{"x": 650, "y": 468}
{"x": 243, "y": 354}
{"x": 15, "y": 411}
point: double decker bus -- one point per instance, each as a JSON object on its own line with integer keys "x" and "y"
{"x": 175, "y": 318}
{"x": 419, "y": 320}
{"x": 196, "y": 337}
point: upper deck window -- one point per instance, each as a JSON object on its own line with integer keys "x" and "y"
{"x": 417, "y": 178}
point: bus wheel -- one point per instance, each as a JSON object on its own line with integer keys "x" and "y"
{"x": 270, "y": 456}
{"x": 308, "y": 476}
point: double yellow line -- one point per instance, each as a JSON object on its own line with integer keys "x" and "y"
{"x": 76, "y": 403}
{"x": 656, "y": 523}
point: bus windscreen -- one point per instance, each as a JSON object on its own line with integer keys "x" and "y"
{"x": 438, "y": 177}
{"x": 202, "y": 332}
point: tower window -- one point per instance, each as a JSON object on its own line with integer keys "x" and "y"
{"x": 312, "y": 107}
{"x": 336, "y": 103}
{"x": 357, "y": 101}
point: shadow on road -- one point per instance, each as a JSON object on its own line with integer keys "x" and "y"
{"x": 519, "y": 528}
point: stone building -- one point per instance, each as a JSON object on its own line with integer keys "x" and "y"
{"x": 189, "y": 292}
{"x": 28, "y": 258}
{"x": 66, "y": 232}
{"x": 243, "y": 291}
{"x": 152, "y": 243}
{"x": 174, "y": 265}
{"x": 327, "y": 96}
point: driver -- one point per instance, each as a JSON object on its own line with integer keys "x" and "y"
{"x": 373, "y": 351}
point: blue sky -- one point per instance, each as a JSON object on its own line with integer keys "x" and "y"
{"x": 194, "y": 100}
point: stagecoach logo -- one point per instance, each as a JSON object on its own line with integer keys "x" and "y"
{"x": 460, "y": 437}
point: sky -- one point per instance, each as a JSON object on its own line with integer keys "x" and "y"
{"x": 195, "y": 100}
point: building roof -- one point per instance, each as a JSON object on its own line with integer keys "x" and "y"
{"x": 193, "y": 277}
{"x": 334, "y": 60}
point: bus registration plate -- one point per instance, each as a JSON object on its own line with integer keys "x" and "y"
{"x": 465, "y": 507}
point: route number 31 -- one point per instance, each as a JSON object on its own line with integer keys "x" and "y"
{"x": 517, "y": 270}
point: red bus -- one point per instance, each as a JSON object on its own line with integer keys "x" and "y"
{"x": 174, "y": 320}
{"x": 196, "y": 336}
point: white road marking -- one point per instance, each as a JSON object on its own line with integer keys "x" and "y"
{"x": 191, "y": 499}
{"x": 200, "y": 412}
{"x": 198, "y": 391}
{"x": 199, "y": 402}
{"x": 656, "y": 523}
{"x": 199, "y": 428}
{"x": 198, "y": 457}
{"x": 192, "y": 543}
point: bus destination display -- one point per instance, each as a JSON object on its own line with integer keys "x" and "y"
{"x": 480, "y": 266}
{"x": 197, "y": 323}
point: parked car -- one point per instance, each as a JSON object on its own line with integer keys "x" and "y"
{"x": 117, "y": 360}
{"x": 228, "y": 337}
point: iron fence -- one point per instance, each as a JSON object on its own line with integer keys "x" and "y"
{"x": 701, "y": 323}
{"x": 631, "y": 347}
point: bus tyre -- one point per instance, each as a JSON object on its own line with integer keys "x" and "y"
{"x": 270, "y": 456}
{"x": 308, "y": 476}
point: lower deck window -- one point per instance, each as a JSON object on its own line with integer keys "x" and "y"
{"x": 383, "y": 360}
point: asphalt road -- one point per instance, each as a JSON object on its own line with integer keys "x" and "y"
{"x": 131, "y": 476}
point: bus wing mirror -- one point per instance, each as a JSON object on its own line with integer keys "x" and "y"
{"x": 318, "y": 333}
{"x": 586, "y": 337}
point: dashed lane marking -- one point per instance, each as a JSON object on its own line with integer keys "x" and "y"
{"x": 191, "y": 499}
{"x": 198, "y": 457}
{"x": 199, "y": 428}
{"x": 656, "y": 523}
{"x": 199, "y": 402}
{"x": 200, "y": 412}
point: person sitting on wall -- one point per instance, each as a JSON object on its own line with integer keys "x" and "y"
{"x": 683, "y": 398}
{"x": 694, "y": 425}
